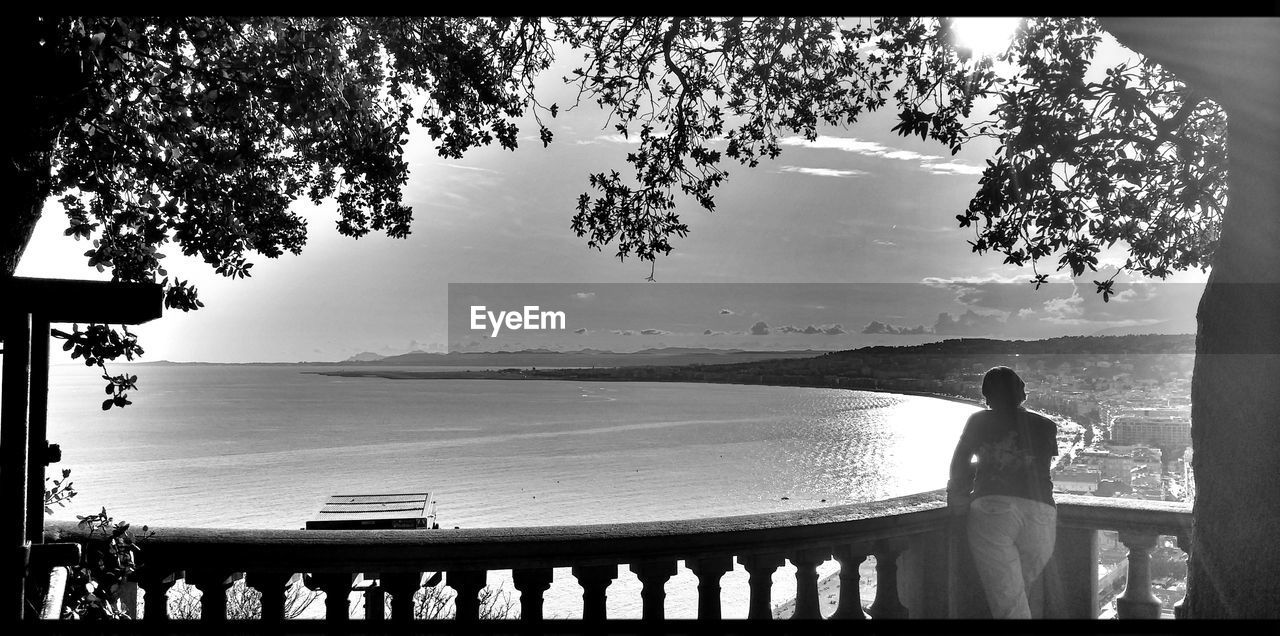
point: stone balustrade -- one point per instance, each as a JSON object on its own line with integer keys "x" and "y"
{"x": 920, "y": 568}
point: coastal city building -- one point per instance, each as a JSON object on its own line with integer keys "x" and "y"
{"x": 1077, "y": 480}
{"x": 1153, "y": 427}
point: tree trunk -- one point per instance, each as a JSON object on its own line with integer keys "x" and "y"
{"x": 1235, "y": 392}
{"x": 1235, "y": 389}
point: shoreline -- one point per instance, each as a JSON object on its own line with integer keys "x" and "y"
{"x": 519, "y": 374}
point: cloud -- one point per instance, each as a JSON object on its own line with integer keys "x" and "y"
{"x": 811, "y": 330}
{"x": 456, "y": 186}
{"x": 1065, "y": 310}
{"x": 1125, "y": 296}
{"x": 824, "y": 172}
{"x": 726, "y": 312}
{"x": 970, "y": 323}
{"x": 454, "y": 195}
{"x": 1138, "y": 291}
{"x": 608, "y": 139}
{"x": 461, "y": 167}
{"x": 580, "y": 331}
{"x": 760, "y": 329}
{"x": 928, "y": 163}
{"x": 990, "y": 294}
{"x": 1084, "y": 309}
{"x": 584, "y": 295}
{"x": 857, "y": 146}
{"x": 952, "y": 168}
{"x": 877, "y": 327}
{"x": 1138, "y": 303}
{"x": 937, "y": 281}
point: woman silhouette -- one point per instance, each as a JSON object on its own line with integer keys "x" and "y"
{"x": 1000, "y": 472}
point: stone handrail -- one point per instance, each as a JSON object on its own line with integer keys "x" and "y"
{"x": 1140, "y": 523}
{"x": 912, "y": 538}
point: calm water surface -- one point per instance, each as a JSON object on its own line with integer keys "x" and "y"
{"x": 262, "y": 446}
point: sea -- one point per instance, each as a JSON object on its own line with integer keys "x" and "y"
{"x": 262, "y": 446}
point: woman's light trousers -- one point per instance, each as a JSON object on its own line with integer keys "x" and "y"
{"x": 1011, "y": 539}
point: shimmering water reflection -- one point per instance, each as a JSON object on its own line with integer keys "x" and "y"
{"x": 262, "y": 446}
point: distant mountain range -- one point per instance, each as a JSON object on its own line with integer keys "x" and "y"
{"x": 674, "y": 356}
{"x": 1181, "y": 325}
{"x": 678, "y": 356}
{"x": 580, "y": 358}
{"x": 1064, "y": 345}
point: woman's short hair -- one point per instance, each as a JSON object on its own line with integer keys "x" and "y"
{"x": 1002, "y": 388}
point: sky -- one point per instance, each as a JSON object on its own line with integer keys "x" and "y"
{"x": 841, "y": 234}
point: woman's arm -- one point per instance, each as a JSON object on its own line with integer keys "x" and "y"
{"x": 961, "y": 477}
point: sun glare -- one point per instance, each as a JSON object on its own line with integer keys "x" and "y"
{"x": 984, "y": 36}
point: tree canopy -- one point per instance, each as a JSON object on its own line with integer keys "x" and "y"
{"x": 203, "y": 131}
{"x": 1132, "y": 157}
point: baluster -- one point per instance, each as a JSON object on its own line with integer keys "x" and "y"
{"x": 850, "y": 582}
{"x": 126, "y": 593}
{"x": 467, "y": 585}
{"x": 594, "y": 580}
{"x": 213, "y": 593}
{"x": 760, "y": 568}
{"x": 1137, "y": 600}
{"x": 709, "y": 570}
{"x": 1180, "y": 608}
{"x": 375, "y": 599}
{"x": 653, "y": 577}
{"x": 806, "y": 562}
{"x": 272, "y": 586}
{"x": 402, "y": 585}
{"x": 887, "y": 604}
{"x": 156, "y": 583}
{"x": 532, "y": 583}
{"x": 337, "y": 593}
{"x": 1075, "y": 555}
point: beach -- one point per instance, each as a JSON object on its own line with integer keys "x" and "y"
{"x": 829, "y": 592}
